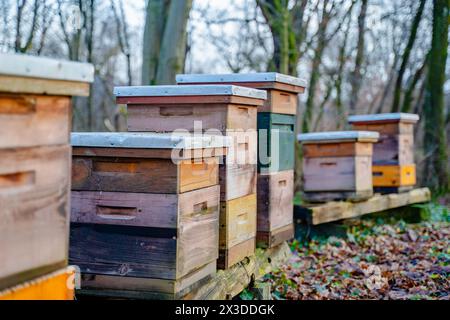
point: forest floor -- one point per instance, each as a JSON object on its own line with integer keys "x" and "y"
{"x": 376, "y": 259}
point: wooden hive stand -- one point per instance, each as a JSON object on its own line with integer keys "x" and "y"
{"x": 218, "y": 110}
{"x": 276, "y": 147}
{"x": 337, "y": 165}
{"x": 35, "y": 120}
{"x": 394, "y": 169}
{"x": 145, "y": 211}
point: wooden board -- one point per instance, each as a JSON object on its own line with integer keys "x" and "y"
{"x": 233, "y": 255}
{"x": 167, "y": 239}
{"x": 394, "y": 176}
{"x": 31, "y": 121}
{"x": 344, "y": 149}
{"x": 13, "y": 84}
{"x": 385, "y": 127}
{"x": 337, "y": 174}
{"x": 237, "y": 181}
{"x": 227, "y": 284}
{"x": 58, "y": 285}
{"x": 334, "y": 211}
{"x": 144, "y": 288}
{"x": 34, "y": 215}
{"x": 143, "y": 175}
{"x": 270, "y": 239}
{"x": 275, "y": 200}
{"x": 168, "y": 118}
{"x": 280, "y": 102}
{"x": 394, "y": 150}
{"x": 326, "y": 196}
{"x": 237, "y": 221}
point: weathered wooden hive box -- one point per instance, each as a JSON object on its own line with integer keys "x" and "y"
{"x": 35, "y": 120}
{"x": 145, "y": 210}
{"x": 276, "y": 147}
{"x": 337, "y": 165}
{"x": 393, "y": 156}
{"x": 214, "y": 110}
{"x": 282, "y": 90}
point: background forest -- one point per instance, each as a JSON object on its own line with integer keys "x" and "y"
{"x": 358, "y": 56}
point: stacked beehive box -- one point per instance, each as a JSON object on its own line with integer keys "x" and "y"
{"x": 337, "y": 165}
{"x": 394, "y": 169}
{"x": 145, "y": 211}
{"x": 276, "y": 148}
{"x": 35, "y": 116}
{"x": 216, "y": 110}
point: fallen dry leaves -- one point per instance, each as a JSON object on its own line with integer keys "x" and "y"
{"x": 398, "y": 261}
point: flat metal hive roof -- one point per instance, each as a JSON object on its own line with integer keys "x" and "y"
{"x": 406, "y": 117}
{"x": 367, "y": 136}
{"x": 190, "y": 90}
{"x": 240, "y": 77}
{"x": 20, "y": 65}
{"x": 148, "y": 140}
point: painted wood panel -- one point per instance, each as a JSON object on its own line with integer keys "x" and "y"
{"x": 275, "y": 200}
{"x": 158, "y": 250}
{"x": 142, "y": 175}
{"x": 237, "y": 181}
{"x": 34, "y": 215}
{"x": 394, "y": 176}
{"x": 271, "y": 239}
{"x": 344, "y": 149}
{"x": 237, "y": 221}
{"x": 231, "y": 256}
{"x": 281, "y": 102}
{"x": 31, "y": 120}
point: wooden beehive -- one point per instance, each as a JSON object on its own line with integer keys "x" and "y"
{"x": 282, "y": 90}
{"x": 393, "y": 156}
{"x": 35, "y": 116}
{"x": 337, "y": 165}
{"x": 275, "y": 208}
{"x": 213, "y": 109}
{"x": 164, "y": 227}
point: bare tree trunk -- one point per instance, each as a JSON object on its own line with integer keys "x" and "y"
{"x": 356, "y": 77}
{"x": 435, "y": 144}
{"x": 154, "y": 27}
{"x": 173, "y": 47}
{"x": 407, "y": 100}
{"x": 406, "y": 54}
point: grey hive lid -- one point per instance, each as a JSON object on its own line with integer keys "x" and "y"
{"x": 128, "y": 140}
{"x": 240, "y": 77}
{"x": 20, "y": 65}
{"x": 193, "y": 90}
{"x": 325, "y": 137}
{"x": 405, "y": 117}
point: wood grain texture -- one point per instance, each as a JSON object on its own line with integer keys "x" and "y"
{"x": 281, "y": 102}
{"x": 12, "y": 84}
{"x": 237, "y": 181}
{"x": 334, "y": 211}
{"x": 167, "y": 118}
{"x": 34, "y": 215}
{"x": 140, "y": 209}
{"x": 233, "y": 255}
{"x": 327, "y": 196}
{"x": 51, "y": 287}
{"x": 275, "y": 200}
{"x": 237, "y": 221}
{"x": 337, "y": 174}
{"x": 144, "y": 288}
{"x": 385, "y": 127}
{"x": 128, "y": 250}
{"x": 344, "y": 149}
{"x": 140, "y": 175}
{"x": 270, "y": 239}
{"x": 394, "y": 176}
{"x": 227, "y": 284}
{"x": 31, "y": 121}
{"x": 394, "y": 150}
